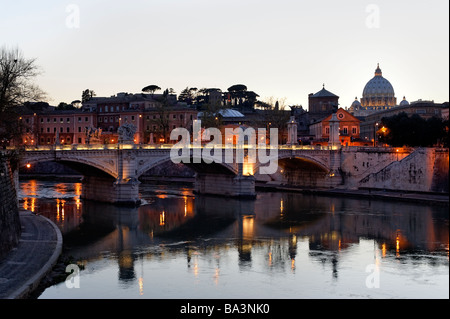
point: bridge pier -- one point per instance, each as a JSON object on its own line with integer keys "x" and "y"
{"x": 225, "y": 185}
{"x": 118, "y": 192}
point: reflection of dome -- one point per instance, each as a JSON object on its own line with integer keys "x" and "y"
{"x": 378, "y": 92}
{"x": 404, "y": 102}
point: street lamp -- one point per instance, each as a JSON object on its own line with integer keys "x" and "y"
{"x": 375, "y": 134}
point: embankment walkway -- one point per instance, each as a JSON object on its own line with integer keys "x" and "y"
{"x": 38, "y": 250}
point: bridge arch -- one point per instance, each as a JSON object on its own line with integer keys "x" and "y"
{"x": 82, "y": 165}
{"x": 218, "y": 168}
{"x": 309, "y": 161}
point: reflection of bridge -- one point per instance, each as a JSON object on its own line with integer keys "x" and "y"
{"x": 112, "y": 171}
{"x": 243, "y": 225}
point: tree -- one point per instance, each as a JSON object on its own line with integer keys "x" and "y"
{"x": 151, "y": 89}
{"x": 16, "y": 87}
{"x": 237, "y": 93}
{"x": 65, "y": 106}
{"x": 187, "y": 95}
{"x": 162, "y": 119}
{"x": 402, "y": 130}
{"x": 274, "y": 115}
{"x": 86, "y": 95}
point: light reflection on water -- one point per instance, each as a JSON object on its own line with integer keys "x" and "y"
{"x": 282, "y": 245}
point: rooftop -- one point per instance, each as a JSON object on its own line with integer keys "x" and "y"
{"x": 324, "y": 93}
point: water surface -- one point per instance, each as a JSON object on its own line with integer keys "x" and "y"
{"x": 281, "y": 245}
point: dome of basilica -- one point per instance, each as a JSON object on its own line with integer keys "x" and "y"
{"x": 355, "y": 105}
{"x": 378, "y": 92}
{"x": 404, "y": 102}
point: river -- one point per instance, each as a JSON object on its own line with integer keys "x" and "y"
{"x": 280, "y": 246}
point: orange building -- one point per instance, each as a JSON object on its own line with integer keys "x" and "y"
{"x": 349, "y": 130}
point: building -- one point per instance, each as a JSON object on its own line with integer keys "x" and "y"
{"x": 98, "y": 120}
{"x": 378, "y": 94}
{"x": 321, "y": 104}
{"x": 349, "y": 130}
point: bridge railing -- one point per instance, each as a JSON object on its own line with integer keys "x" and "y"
{"x": 83, "y": 147}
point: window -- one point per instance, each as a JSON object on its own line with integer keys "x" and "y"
{"x": 86, "y": 119}
{"x": 42, "y": 120}
{"x": 132, "y": 117}
{"x": 100, "y": 119}
{"x": 174, "y": 116}
{"x": 354, "y": 130}
{"x": 327, "y": 130}
{"x": 79, "y": 119}
{"x": 48, "y": 120}
{"x": 54, "y": 130}
{"x": 79, "y": 129}
{"x": 345, "y": 130}
{"x": 61, "y": 120}
{"x": 79, "y": 140}
{"x": 42, "y": 130}
{"x": 48, "y": 130}
{"x": 54, "y": 120}
{"x": 105, "y": 120}
{"x": 68, "y": 130}
{"x": 61, "y": 130}
{"x": 68, "y": 120}
{"x": 106, "y": 108}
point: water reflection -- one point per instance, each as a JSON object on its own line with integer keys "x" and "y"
{"x": 270, "y": 234}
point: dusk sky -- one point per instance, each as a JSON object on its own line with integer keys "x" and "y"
{"x": 282, "y": 49}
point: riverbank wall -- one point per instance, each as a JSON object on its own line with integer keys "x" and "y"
{"x": 425, "y": 170}
{"x": 10, "y": 227}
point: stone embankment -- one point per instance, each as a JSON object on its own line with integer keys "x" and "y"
{"x": 10, "y": 228}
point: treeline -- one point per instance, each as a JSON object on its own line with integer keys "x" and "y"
{"x": 403, "y": 130}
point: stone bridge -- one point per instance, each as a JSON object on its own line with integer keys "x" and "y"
{"x": 111, "y": 172}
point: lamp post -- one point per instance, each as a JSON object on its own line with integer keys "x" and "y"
{"x": 375, "y": 134}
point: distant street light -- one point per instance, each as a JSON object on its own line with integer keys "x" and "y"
{"x": 375, "y": 134}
